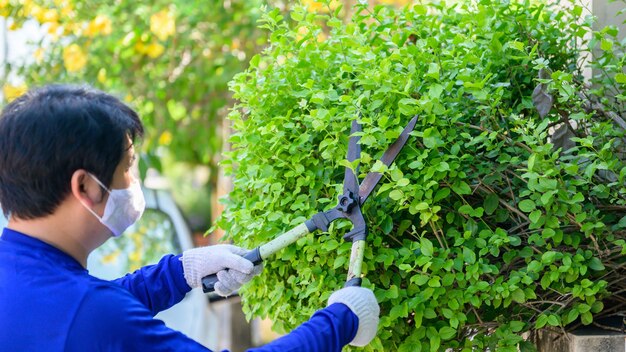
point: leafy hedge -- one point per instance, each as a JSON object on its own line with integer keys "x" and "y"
{"x": 482, "y": 229}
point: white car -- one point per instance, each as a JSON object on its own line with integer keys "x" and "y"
{"x": 161, "y": 230}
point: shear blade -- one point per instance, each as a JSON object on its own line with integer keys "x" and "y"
{"x": 350, "y": 182}
{"x": 372, "y": 178}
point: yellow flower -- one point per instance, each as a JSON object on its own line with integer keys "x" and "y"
{"x": 4, "y": 3}
{"x": 53, "y": 28}
{"x": 163, "y": 24}
{"x": 140, "y": 47}
{"x": 99, "y": 25}
{"x": 72, "y": 28}
{"x": 111, "y": 257}
{"x": 67, "y": 12}
{"x": 165, "y": 138}
{"x": 154, "y": 50}
{"x": 74, "y": 58}
{"x": 135, "y": 256}
{"x": 316, "y": 6}
{"x": 12, "y": 92}
{"x": 35, "y": 11}
{"x": 38, "y": 54}
{"x": 49, "y": 15}
{"x": 102, "y": 75}
{"x": 235, "y": 44}
{"x": 312, "y": 5}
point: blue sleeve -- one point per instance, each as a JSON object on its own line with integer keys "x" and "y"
{"x": 157, "y": 286}
{"x": 109, "y": 318}
{"x": 328, "y": 330}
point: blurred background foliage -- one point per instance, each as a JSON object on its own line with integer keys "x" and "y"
{"x": 170, "y": 60}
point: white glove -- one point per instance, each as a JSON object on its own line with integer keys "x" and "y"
{"x": 225, "y": 260}
{"x": 363, "y": 304}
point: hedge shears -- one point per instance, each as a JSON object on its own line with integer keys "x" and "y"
{"x": 348, "y": 207}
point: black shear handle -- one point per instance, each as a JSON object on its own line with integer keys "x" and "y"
{"x": 208, "y": 282}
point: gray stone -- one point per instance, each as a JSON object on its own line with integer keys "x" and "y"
{"x": 588, "y": 339}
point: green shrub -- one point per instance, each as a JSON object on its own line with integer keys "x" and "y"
{"x": 482, "y": 229}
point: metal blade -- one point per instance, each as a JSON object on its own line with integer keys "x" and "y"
{"x": 350, "y": 182}
{"x": 372, "y": 178}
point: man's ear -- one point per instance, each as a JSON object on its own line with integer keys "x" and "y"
{"x": 85, "y": 188}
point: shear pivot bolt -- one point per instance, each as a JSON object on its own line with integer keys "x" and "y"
{"x": 346, "y": 202}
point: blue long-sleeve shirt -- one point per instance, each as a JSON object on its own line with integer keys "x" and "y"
{"x": 49, "y": 302}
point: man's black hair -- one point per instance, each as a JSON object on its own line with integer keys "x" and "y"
{"x": 49, "y": 133}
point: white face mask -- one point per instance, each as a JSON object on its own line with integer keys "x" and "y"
{"x": 123, "y": 208}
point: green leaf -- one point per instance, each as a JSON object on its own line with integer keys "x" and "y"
{"x": 339, "y": 262}
{"x": 597, "y": 307}
{"x": 515, "y": 240}
{"x": 518, "y": 296}
{"x": 517, "y": 326}
{"x": 622, "y": 223}
{"x": 547, "y": 197}
{"x": 531, "y": 161}
{"x": 297, "y": 15}
{"x": 534, "y": 266}
{"x": 527, "y": 205}
{"x": 548, "y": 257}
{"x": 461, "y": 188}
{"x": 407, "y": 106}
{"x": 426, "y": 246}
{"x": 396, "y": 194}
{"x": 469, "y": 256}
{"x": 586, "y": 318}
{"x": 399, "y": 311}
{"x": 606, "y": 44}
{"x": 435, "y": 342}
{"x": 387, "y": 225}
{"x": 516, "y": 45}
{"x": 403, "y": 182}
{"x": 542, "y": 320}
{"x": 596, "y": 264}
{"x": 553, "y": 320}
{"x": 433, "y": 71}
{"x": 430, "y": 138}
{"x": 491, "y": 203}
{"x": 534, "y": 216}
{"x": 446, "y": 333}
{"x": 434, "y": 282}
{"x": 466, "y": 209}
{"x": 392, "y": 292}
{"x": 571, "y": 316}
{"x": 445, "y": 192}
{"x": 176, "y": 110}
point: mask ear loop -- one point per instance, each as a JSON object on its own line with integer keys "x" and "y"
{"x": 101, "y": 185}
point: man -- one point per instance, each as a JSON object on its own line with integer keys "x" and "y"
{"x": 66, "y": 154}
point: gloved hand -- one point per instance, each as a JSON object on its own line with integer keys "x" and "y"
{"x": 225, "y": 260}
{"x": 363, "y": 304}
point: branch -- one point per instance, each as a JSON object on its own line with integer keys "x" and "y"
{"x": 591, "y": 104}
